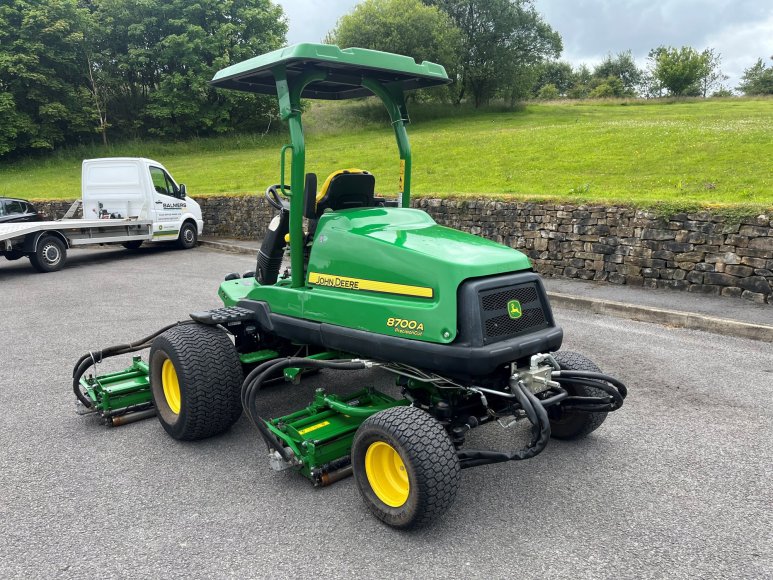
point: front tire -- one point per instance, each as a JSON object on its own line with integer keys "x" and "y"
{"x": 405, "y": 466}
{"x": 189, "y": 235}
{"x": 195, "y": 379}
{"x": 49, "y": 255}
{"x": 575, "y": 424}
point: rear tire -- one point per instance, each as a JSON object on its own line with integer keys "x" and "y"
{"x": 132, "y": 245}
{"x": 195, "y": 379}
{"x": 405, "y": 466}
{"x": 49, "y": 255}
{"x": 189, "y": 235}
{"x": 575, "y": 424}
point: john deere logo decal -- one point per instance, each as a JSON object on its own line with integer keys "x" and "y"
{"x": 514, "y": 309}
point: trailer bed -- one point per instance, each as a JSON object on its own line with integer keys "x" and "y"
{"x": 80, "y": 231}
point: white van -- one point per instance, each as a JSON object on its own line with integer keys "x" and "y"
{"x": 126, "y": 200}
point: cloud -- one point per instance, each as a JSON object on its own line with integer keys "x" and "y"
{"x": 740, "y": 30}
{"x": 311, "y": 20}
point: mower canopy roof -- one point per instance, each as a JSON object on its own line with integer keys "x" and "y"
{"x": 344, "y": 70}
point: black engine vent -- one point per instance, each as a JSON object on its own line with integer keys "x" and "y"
{"x": 503, "y": 307}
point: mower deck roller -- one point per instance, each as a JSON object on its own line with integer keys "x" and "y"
{"x": 462, "y": 323}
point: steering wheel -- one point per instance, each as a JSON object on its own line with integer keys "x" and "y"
{"x": 274, "y": 197}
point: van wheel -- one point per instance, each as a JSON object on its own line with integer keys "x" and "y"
{"x": 132, "y": 245}
{"x": 50, "y": 254}
{"x": 188, "y": 236}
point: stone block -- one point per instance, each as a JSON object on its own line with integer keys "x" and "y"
{"x": 737, "y": 270}
{"x": 754, "y": 296}
{"x": 704, "y": 289}
{"x": 755, "y": 284}
{"x": 720, "y": 279}
{"x": 732, "y": 292}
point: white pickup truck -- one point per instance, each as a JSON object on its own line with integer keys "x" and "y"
{"x": 126, "y": 200}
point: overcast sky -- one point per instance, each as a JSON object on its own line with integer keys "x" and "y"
{"x": 741, "y": 30}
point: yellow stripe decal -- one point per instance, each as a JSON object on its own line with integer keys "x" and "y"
{"x": 313, "y": 428}
{"x": 334, "y": 281}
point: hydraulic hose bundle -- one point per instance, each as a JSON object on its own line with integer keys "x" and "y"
{"x": 614, "y": 388}
{"x": 260, "y": 374}
{"x": 92, "y": 358}
{"x": 536, "y": 412}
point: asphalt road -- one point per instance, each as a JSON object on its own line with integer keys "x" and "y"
{"x": 675, "y": 485}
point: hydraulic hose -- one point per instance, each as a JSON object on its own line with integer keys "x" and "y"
{"x": 95, "y": 357}
{"x": 254, "y": 381}
{"x": 611, "y": 386}
{"x": 540, "y": 433}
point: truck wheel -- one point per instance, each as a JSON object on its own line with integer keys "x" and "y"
{"x": 195, "y": 379}
{"x": 50, "y": 255}
{"x": 132, "y": 245}
{"x": 405, "y": 466}
{"x": 575, "y": 424}
{"x": 188, "y": 236}
{"x": 13, "y": 255}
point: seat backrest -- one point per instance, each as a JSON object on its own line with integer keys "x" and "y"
{"x": 345, "y": 189}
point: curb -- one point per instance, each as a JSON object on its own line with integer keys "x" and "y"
{"x": 677, "y": 318}
{"x": 230, "y": 248}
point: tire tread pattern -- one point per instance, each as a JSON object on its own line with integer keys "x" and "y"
{"x": 210, "y": 376}
{"x": 588, "y": 422}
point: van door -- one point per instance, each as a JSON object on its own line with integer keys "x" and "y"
{"x": 167, "y": 205}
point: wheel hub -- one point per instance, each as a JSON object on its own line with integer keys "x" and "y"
{"x": 51, "y": 254}
{"x": 171, "y": 385}
{"x": 387, "y": 474}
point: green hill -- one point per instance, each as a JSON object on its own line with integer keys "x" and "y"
{"x": 708, "y": 152}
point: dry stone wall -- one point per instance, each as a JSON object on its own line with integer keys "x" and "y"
{"x": 704, "y": 252}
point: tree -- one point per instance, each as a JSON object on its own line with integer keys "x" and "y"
{"x": 162, "y": 54}
{"x": 581, "y": 83}
{"x": 502, "y": 42}
{"x": 623, "y": 68}
{"x": 403, "y": 27}
{"x": 42, "y": 96}
{"x": 757, "y": 79}
{"x": 678, "y": 70}
{"x": 559, "y": 74}
{"x": 712, "y": 75}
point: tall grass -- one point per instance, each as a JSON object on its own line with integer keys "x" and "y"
{"x": 681, "y": 153}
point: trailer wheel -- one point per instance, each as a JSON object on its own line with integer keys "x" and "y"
{"x": 188, "y": 236}
{"x": 405, "y": 466}
{"x": 575, "y": 424}
{"x": 49, "y": 255}
{"x": 132, "y": 244}
{"x": 195, "y": 379}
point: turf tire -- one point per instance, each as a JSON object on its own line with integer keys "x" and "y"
{"x": 576, "y": 424}
{"x": 49, "y": 255}
{"x": 429, "y": 458}
{"x": 210, "y": 378}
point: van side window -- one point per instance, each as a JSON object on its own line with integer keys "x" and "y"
{"x": 162, "y": 183}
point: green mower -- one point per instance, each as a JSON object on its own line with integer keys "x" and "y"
{"x": 463, "y": 323}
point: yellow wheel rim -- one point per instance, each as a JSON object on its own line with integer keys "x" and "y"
{"x": 171, "y": 385}
{"x": 387, "y": 474}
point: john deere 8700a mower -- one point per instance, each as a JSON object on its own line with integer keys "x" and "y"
{"x": 463, "y": 323}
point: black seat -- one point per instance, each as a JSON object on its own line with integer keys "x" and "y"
{"x": 346, "y": 189}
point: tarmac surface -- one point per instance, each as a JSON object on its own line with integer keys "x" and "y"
{"x": 677, "y": 484}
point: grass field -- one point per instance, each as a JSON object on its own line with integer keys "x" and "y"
{"x": 714, "y": 152}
